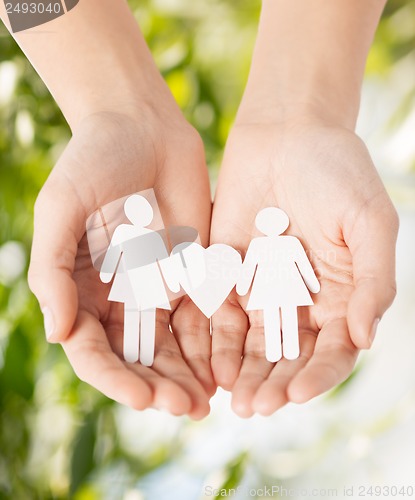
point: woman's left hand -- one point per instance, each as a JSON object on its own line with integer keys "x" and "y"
{"x": 112, "y": 155}
{"x": 323, "y": 178}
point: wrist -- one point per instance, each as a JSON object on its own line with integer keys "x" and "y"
{"x": 136, "y": 94}
{"x": 309, "y": 57}
{"x": 95, "y": 59}
{"x": 301, "y": 104}
{"x": 117, "y": 74}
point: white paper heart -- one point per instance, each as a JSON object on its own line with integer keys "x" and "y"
{"x": 208, "y": 274}
{"x": 276, "y": 269}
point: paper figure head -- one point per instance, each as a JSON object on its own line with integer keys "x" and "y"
{"x": 138, "y": 210}
{"x": 272, "y": 221}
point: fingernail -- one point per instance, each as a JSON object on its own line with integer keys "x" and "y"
{"x": 48, "y": 322}
{"x": 373, "y": 331}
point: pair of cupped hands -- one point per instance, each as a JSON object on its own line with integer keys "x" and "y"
{"x": 318, "y": 172}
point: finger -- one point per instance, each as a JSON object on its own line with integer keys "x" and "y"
{"x": 332, "y": 362}
{"x": 192, "y": 332}
{"x": 230, "y": 323}
{"x": 167, "y": 393}
{"x": 58, "y": 223}
{"x": 94, "y": 362}
{"x": 229, "y": 329}
{"x": 254, "y": 370}
{"x": 272, "y": 394}
{"x": 372, "y": 244}
{"x": 169, "y": 363}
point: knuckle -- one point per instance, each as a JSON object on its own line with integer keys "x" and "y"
{"x": 32, "y": 278}
{"x": 187, "y": 326}
{"x": 190, "y": 332}
{"x": 194, "y": 142}
{"x": 83, "y": 372}
{"x": 80, "y": 373}
{"x": 49, "y": 196}
{"x": 42, "y": 199}
{"x": 166, "y": 352}
{"x": 391, "y": 292}
{"x": 383, "y": 210}
{"x": 394, "y": 219}
{"x": 227, "y": 329}
{"x": 84, "y": 357}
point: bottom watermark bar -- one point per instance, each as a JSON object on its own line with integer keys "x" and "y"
{"x": 279, "y": 491}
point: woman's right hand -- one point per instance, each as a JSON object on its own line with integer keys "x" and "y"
{"x": 128, "y": 135}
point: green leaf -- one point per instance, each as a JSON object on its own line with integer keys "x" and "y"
{"x": 235, "y": 472}
{"x": 17, "y": 373}
{"x": 82, "y": 462}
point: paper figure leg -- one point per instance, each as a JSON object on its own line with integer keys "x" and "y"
{"x": 148, "y": 335}
{"x": 272, "y": 334}
{"x": 131, "y": 334}
{"x": 290, "y": 341}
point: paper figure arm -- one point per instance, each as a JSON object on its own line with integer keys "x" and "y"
{"x": 247, "y": 270}
{"x": 306, "y": 269}
{"x": 170, "y": 271}
{"x": 111, "y": 260}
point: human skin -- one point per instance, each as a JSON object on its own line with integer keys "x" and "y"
{"x": 128, "y": 136}
{"x": 293, "y": 146}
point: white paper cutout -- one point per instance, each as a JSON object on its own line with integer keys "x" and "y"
{"x": 100, "y": 229}
{"x": 208, "y": 275}
{"x": 101, "y": 225}
{"x": 140, "y": 287}
{"x": 280, "y": 273}
{"x": 275, "y": 268}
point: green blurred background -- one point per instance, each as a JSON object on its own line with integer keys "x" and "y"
{"x": 60, "y": 438}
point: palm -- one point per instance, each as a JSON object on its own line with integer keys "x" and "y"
{"x": 110, "y": 158}
{"x": 311, "y": 173}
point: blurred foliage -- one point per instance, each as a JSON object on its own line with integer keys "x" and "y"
{"x": 58, "y": 437}
{"x": 234, "y": 472}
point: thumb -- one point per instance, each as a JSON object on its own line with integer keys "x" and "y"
{"x": 372, "y": 244}
{"x": 57, "y": 230}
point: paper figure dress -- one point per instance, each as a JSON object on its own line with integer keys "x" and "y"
{"x": 281, "y": 277}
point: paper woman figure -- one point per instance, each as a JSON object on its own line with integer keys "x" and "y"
{"x": 134, "y": 256}
{"x": 283, "y": 273}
